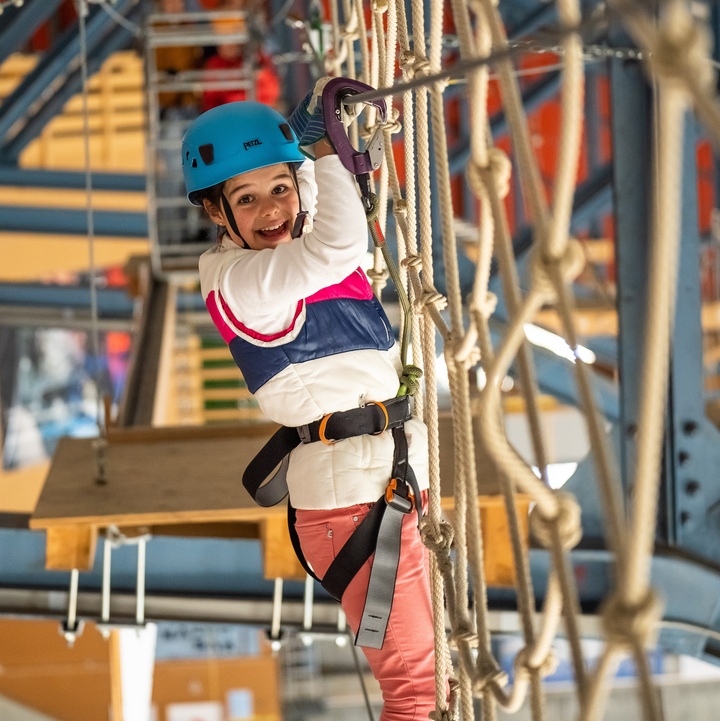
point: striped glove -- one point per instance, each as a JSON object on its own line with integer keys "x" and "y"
{"x": 307, "y": 119}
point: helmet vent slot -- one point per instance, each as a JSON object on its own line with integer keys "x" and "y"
{"x": 194, "y": 163}
{"x": 206, "y": 153}
{"x": 286, "y": 131}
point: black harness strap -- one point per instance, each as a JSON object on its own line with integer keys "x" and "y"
{"x": 275, "y": 452}
{"x": 356, "y": 551}
{"x": 368, "y": 420}
{"x": 292, "y": 517}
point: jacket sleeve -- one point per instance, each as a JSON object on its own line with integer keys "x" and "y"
{"x": 269, "y": 280}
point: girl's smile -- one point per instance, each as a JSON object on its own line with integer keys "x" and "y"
{"x": 264, "y": 203}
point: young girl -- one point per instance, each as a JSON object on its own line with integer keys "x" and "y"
{"x": 303, "y": 325}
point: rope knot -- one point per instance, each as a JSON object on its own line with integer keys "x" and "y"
{"x": 524, "y": 667}
{"x": 463, "y": 635}
{"x": 410, "y": 378}
{"x": 628, "y": 624}
{"x": 489, "y": 675}
{"x": 413, "y": 65}
{"x": 442, "y": 715}
{"x": 486, "y": 308}
{"x": 438, "y": 537}
{"x": 546, "y": 268}
{"x": 502, "y": 170}
{"x": 393, "y": 124}
{"x": 565, "y": 522}
{"x": 412, "y": 261}
{"x": 407, "y": 60}
{"x": 466, "y": 356}
{"x": 400, "y": 208}
{"x": 498, "y": 171}
{"x": 682, "y": 48}
{"x": 378, "y": 275}
{"x": 349, "y": 32}
{"x": 433, "y": 298}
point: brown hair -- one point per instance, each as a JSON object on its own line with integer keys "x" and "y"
{"x": 214, "y": 195}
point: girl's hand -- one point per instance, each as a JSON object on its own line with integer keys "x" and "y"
{"x": 322, "y": 148}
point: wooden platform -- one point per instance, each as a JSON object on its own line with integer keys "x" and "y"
{"x": 186, "y": 481}
{"x": 165, "y": 481}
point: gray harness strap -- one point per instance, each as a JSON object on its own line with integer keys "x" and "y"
{"x": 381, "y": 587}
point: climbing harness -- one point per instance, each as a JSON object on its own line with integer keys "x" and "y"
{"x": 380, "y": 531}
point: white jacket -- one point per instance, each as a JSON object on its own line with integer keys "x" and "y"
{"x": 304, "y": 327}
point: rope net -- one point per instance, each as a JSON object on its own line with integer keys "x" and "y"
{"x": 677, "y": 54}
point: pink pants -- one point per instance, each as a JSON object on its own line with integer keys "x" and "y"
{"x": 405, "y": 666}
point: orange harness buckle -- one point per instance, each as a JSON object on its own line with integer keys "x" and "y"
{"x": 321, "y": 430}
{"x": 390, "y": 494}
{"x": 384, "y": 410}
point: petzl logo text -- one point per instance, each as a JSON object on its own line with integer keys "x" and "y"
{"x": 251, "y": 143}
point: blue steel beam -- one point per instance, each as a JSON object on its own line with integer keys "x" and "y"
{"x": 592, "y": 198}
{"x": 72, "y": 221}
{"x": 632, "y": 135}
{"x": 53, "y": 64}
{"x": 36, "y": 178}
{"x": 111, "y": 302}
{"x": 117, "y": 39}
{"x": 693, "y": 447}
{"x": 20, "y": 25}
{"x": 544, "y": 15}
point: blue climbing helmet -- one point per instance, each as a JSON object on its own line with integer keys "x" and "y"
{"x": 233, "y": 139}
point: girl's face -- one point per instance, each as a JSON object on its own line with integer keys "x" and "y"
{"x": 264, "y": 203}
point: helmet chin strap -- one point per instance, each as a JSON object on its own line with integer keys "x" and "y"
{"x": 302, "y": 215}
{"x": 231, "y": 221}
{"x": 300, "y": 218}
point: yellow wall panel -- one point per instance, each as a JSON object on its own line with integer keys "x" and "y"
{"x": 31, "y": 256}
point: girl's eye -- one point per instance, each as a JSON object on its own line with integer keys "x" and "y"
{"x": 279, "y": 189}
{"x": 244, "y": 199}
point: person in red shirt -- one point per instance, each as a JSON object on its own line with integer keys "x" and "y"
{"x": 230, "y": 57}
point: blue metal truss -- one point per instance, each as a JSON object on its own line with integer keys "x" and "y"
{"x": 20, "y": 23}
{"x": 117, "y": 38}
{"x": 37, "y": 178}
{"x": 112, "y": 302}
{"x": 72, "y": 221}
{"x": 57, "y": 62}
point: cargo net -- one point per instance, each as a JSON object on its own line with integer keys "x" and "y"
{"x": 675, "y": 50}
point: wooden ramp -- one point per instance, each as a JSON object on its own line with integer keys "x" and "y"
{"x": 186, "y": 481}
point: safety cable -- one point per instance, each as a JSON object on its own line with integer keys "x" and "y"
{"x": 100, "y": 443}
{"x": 82, "y": 10}
{"x": 361, "y": 676}
{"x": 121, "y": 20}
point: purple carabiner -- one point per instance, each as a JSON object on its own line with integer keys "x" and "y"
{"x": 355, "y": 161}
